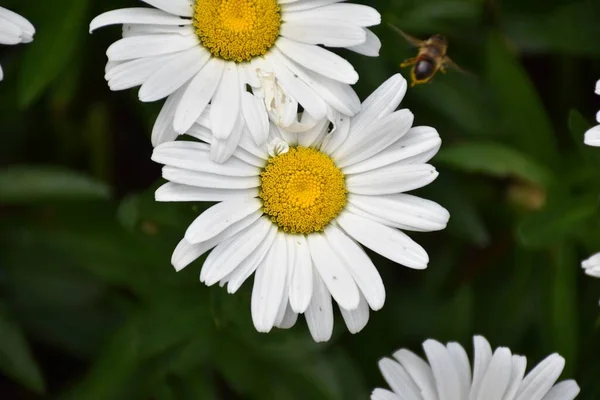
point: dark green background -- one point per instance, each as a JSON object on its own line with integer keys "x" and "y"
{"x": 90, "y": 307}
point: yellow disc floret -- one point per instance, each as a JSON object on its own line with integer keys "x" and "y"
{"x": 302, "y": 190}
{"x": 237, "y": 30}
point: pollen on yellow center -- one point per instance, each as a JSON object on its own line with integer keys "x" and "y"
{"x": 237, "y": 30}
{"x": 302, "y": 190}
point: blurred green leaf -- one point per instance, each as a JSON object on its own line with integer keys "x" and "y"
{"x": 30, "y": 184}
{"x": 578, "y": 125}
{"x": 493, "y": 159}
{"x": 59, "y": 36}
{"x": 526, "y": 123}
{"x": 559, "y": 218}
{"x": 16, "y": 360}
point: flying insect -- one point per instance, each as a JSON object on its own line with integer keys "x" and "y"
{"x": 430, "y": 59}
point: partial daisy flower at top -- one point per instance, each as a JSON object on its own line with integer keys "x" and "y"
{"x": 293, "y": 212}
{"x": 592, "y": 265}
{"x": 14, "y": 29}
{"x": 495, "y": 376}
{"x": 250, "y": 59}
{"x": 592, "y": 136}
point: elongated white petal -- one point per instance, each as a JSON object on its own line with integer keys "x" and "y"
{"x": 137, "y": 15}
{"x": 328, "y": 32}
{"x": 360, "y": 266}
{"x": 460, "y": 359}
{"x": 269, "y": 286}
{"x": 228, "y": 255}
{"x": 481, "y": 360}
{"x": 444, "y": 373}
{"x": 358, "y": 318}
{"x": 333, "y": 272}
{"x": 389, "y": 242}
{"x": 171, "y": 191}
{"x": 257, "y": 119}
{"x": 301, "y": 285}
{"x": 222, "y": 149}
{"x": 208, "y": 180}
{"x": 133, "y": 47}
{"x": 382, "y": 394}
{"x": 356, "y": 14}
{"x": 497, "y": 376}
{"x": 395, "y": 178}
{"x": 131, "y": 73}
{"x": 519, "y": 363}
{"x": 163, "y": 131}
{"x": 540, "y": 379}
{"x": 27, "y": 30}
{"x": 173, "y": 74}
{"x": 419, "y": 371}
{"x": 198, "y": 94}
{"x": 220, "y": 216}
{"x": 289, "y": 319}
{"x": 566, "y": 390}
{"x": 291, "y": 7}
{"x": 592, "y": 136}
{"x": 369, "y": 47}
{"x": 226, "y": 103}
{"x": 318, "y": 60}
{"x": 195, "y": 156}
{"x": 398, "y": 379}
{"x": 319, "y": 314}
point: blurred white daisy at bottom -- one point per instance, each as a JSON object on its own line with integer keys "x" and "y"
{"x": 592, "y": 136}
{"x": 14, "y": 29}
{"x": 293, "y": 212}
{"x": 497, "y": 375}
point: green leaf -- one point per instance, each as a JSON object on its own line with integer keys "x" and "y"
{"x": 16, "y": 360}
{"x": 558, "y": 219}
{"x": 29, "y": 184}
{"x": 526, "y": 123}
{"x": 578, "y": 125}
{"x": 61, "y": 32}
{"x": 494, "y": 159}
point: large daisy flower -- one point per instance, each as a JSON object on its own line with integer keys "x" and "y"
{"x": 592, "y": 136}
{"x": 249, "y": 59}
{"x": 14, "y": 29}
{"x": 447, "y": 375}
{"x": 293, "y": 212}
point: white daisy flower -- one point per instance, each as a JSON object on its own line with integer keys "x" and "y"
{"x": 592, "y": 136}
{"x": 591, "y": 265}
{"x": 196, "y": 52}
{"x": 14, "y": 29}
{"x": 294, "y": 212}
{"x": 447, "y": 375}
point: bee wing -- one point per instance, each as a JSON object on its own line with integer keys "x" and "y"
{"x": 412, "y": 40}
{"x": 449, "y": 63}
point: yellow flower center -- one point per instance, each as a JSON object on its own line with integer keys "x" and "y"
{"x": 302, "y": 190}
{"x": 237, "y": 30}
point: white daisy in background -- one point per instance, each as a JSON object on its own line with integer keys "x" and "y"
{"x": 447, "y": 375}
{"x": 592, "y": 136}
{"x": 592, "y": 265}
{"x": 14, "y": 29}
{"x": 293, "y": 212}
{"x": 196, "y": 52}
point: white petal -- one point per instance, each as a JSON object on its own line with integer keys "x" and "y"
{"x": 163, "y": 131}
{"x": 314, "y": 135}
{"x": 137, "y": 15}
{"x": 186, "y": 252}
{"x": 198, "y": 94}
{"x": 228, "y": 255}
{"x": 481, "y": 360}
{"x": 332, "y": 270}
{"x": 566, "y": 390}
{"x": 341, "y": 128}
{"x": 152, "y": 29}
{"x": 237, "y": 278}
{"x": 319, "y": 60}
{"x": 9, "y": 32}
{"x": 226, "y": 103}
{"x": 373, "y": 140}
{"x": 195, "y": 156}
{"x": 540, "y": 379}
{"x": 204, "y": 179}
{"x": 383, "y": 101}
{"x": 319, "y": 314}
{"x": 497, "y": 376}
{"x": 382, "y": 394}
{"x": 220, "y": 216}
{"x": 370, "y": 47}
{"x": 358, "y": 318}
{"x": 445, "y": 374}
{"x": 389, "y": 242}
{"x": 360, "y": 266}
{"x": 301, "y": 286}
{"x": 257, "y": 119}
{"x": 460, "y": 359}
{"x": 26, "y": 28}
{"x": 125, "y": 75}
{"x": 222, "y": 149}
{"x": 419, "y": 371}
{"x": 391, "y": 179}
{"x": 176, "y": 192}
{"x": 304, "y": 5}
{"x": 177, "y": 7}
{"x": 592, "y": 136}
{"x": 133, "y": 47}
{"x": 398, "y": 379}
{"x": 173, "y": 74}
{"x": 289, "y": 319}
{"x": 404, "y": 211}
{"x": 328, "y": 32}
{"x": 269, "y": 285}
{"x": 289, "y": 266}
{"x": 356, "y": 14}
{"x": 519, "y": 364}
